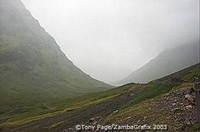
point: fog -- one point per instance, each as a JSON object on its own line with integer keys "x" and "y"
{"x": 109, "y": 39}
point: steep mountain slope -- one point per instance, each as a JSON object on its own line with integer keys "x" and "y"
{"x": 158, "y": 102}
{"x": 33, "y": 69}
{"x": 165, "y": 63}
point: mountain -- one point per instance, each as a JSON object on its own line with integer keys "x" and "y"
{"x": 33, "y": 69}
{"x": 167, "y": 62}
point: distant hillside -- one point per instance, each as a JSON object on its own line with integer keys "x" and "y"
{"x": 33, "y": 69}
{"x": 165, "y": 63}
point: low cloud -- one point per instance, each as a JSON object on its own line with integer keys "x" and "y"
{"x": 109, "y": 39}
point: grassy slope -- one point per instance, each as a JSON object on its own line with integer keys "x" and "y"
{"x": 157, "y": 110}
{"x": 26, "y": 114}
{"x": 154, "y": 89}
{"x": 156, "y": 106}
{"x": 147, "y": 92}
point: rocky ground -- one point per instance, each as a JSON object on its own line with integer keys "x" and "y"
{"x": 176, "y": 109}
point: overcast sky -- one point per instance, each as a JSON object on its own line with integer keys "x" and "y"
{"x": 109, "y": 39}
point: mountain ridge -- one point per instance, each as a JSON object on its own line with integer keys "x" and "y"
{"x": 32, "y": 66}
{"x": 167, "y": 62}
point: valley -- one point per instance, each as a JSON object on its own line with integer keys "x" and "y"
{"x": 159, "y": 102}
{"x": 42, "y": 90}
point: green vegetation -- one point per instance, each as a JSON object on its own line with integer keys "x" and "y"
{"x": 151, "y": 106}
{"x": 191, "y": 74}
{"x": 157, "y": 110}
{"x": 27, "y": 114}
{"x": 91, "y": 97}
{"x": 56, "y": 124}
{"x": 154, "y": 89}
{"x": 195, "y": 127}
{"x": 139, "y": 105}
